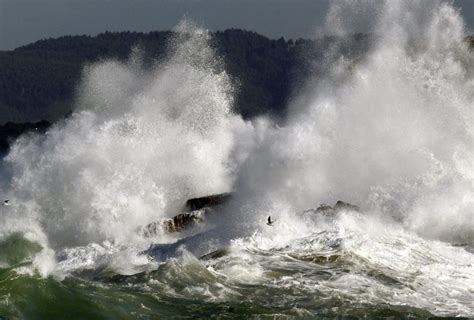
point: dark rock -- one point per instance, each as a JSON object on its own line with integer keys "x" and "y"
{"x": 324, "y": 208}
{"x": 176, "y": 224}
{"x": 208, "y": 201}
{"x": 181, "y": 221}
{"x": 196, "y": 208}
{"x": 340, "y": 205}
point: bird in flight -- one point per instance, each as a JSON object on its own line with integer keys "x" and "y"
{"x": 269, "y": 221}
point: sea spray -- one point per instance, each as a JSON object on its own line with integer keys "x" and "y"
{"x": 392, "y": 132}
{"x": 140, "y": 144}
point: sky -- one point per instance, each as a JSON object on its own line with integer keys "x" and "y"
{"x": 26, "y": 21}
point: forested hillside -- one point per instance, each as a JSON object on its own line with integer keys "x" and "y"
{"x": 37, "y": 81}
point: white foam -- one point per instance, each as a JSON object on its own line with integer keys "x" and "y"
{"x": 387, "y": 265}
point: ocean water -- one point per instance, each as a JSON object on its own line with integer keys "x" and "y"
{"x": 392, "y": 132}
{"x": 350, "y": 267}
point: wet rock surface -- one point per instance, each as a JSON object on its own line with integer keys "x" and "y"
{"x": 196, "y": 210}
{"x": 207, "y": 201}
{"x": 325, "y": 209}
{"x": 176, "y": 224}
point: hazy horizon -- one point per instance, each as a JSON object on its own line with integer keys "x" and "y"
{"x": 26, "y": 21}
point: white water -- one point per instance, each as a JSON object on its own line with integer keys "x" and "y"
{"x": 393, "y": 133}
{"x": 356, "y": 259}
{"x": 144, "y": 143}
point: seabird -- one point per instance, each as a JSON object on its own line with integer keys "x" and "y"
{"x": 6, "y": 202}
{"x": 269, "y": 221}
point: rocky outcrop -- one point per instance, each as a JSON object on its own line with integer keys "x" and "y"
{"x": 176, "y": 224}
{"x": 196, "y": 210}
{"x": 325, "y": 209}
{"x": 199, "y": 208}
{"x": 207, "y": 202}
{"x": 340, "y": 205}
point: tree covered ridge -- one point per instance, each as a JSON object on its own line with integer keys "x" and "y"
{"x": 37, "y": 81}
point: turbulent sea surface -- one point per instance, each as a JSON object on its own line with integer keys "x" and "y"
{"x": 392, "y": 132}
{"x": 341, "y": 269}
